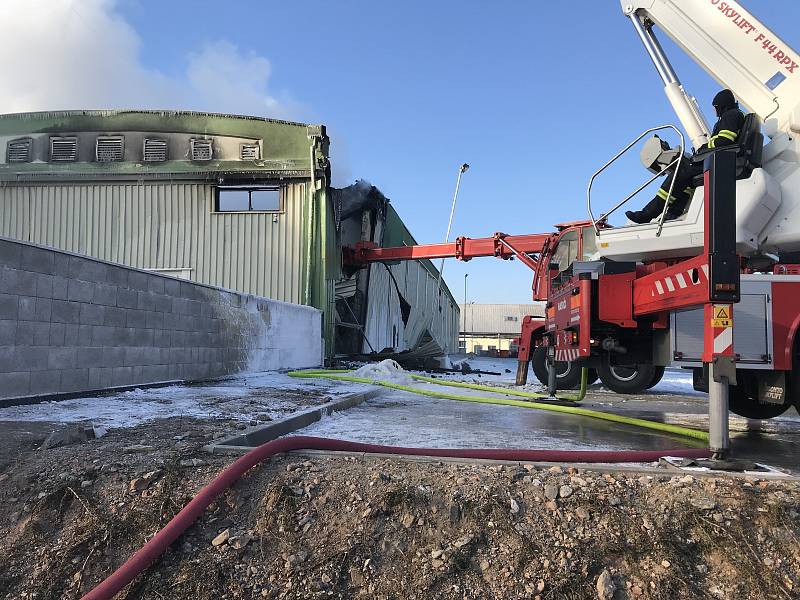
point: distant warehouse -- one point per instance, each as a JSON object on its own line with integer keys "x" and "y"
{"x": 491, "y": 329}
{"x": 238, "y": 202}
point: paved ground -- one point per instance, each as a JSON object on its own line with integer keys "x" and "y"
{"x": 407, "y": 419}
{"x": 401, "y": 418}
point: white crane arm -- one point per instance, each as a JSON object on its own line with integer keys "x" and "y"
{"x": 736, "y": 49}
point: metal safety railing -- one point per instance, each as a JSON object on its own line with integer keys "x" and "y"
{"x": 675, "y": 163}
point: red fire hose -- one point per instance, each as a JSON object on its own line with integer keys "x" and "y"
{"x": 148, "y": 553}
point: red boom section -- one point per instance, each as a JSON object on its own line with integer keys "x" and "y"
{"x": 463, "y": 248}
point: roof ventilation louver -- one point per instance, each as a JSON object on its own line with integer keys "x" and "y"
{"x": 19, "y": 151}
{"x": 249, "y": 152}
{"x": 201, "y": 149}
{"x": 64, "y": 149}
{"x": 109, "y": 148}
{"x": 155, "y": 150}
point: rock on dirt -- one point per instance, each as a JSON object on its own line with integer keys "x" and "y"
{"x": 70, "y": 434}
{"x": 221, "y": 538}
{"x": 605, "y": 586}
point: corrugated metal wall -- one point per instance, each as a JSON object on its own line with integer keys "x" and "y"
{"x": 166, "y": 226}
{"x": 418, "y": 287}
{"x": 497, "y": 318}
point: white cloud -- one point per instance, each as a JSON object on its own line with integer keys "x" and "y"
{"x": 71, "y": 54}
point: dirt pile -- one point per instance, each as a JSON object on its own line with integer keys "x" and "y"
{"x": 339, "y": 527}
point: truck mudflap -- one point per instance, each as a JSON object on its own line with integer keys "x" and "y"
{"x": 568, "y": 319}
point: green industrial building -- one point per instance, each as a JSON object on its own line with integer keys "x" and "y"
{"x": 238, "y": 202}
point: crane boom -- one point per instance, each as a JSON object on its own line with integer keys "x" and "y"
{"x": 736, "y": 49}
{"x": 463, "y": 248}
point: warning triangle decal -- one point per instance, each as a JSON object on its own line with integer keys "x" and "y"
{"x": 722, "y": 313}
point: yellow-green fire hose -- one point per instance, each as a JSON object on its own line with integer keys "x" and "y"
{"x": 572, "y": 410}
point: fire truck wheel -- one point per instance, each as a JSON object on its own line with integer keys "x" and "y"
{"x": 625, "y": 379}
{"x": 568, "y": 375}
{"x": 658, "y": 373}
{"x": 743, "y": 400}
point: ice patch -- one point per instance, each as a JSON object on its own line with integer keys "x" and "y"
{"x": 386, "y": 370}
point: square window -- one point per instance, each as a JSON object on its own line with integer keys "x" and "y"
{"x": 265, "y": 199}
{"x": 246, "y": 199}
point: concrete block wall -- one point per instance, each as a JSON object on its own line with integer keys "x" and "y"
{"x": 72, "y": 324}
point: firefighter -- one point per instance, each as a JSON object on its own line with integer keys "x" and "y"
{"x": 726, "y": 131}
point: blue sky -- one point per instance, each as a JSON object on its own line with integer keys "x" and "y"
{"x": 533, "y": 95}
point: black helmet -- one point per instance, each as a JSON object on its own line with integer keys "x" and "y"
{"x": 724, "y": 101}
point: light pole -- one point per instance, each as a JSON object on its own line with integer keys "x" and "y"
{"x": 461, "y": 170}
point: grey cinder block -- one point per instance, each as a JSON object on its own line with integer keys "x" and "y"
{"x": 92, "y": 314}
{"x": 8, "y": 359}
{"x": 113, "y": 356}
{"x": 134, "y": 356}
{"x": 57, "y": 334}
{"x": 127, "y": 298}
{"x": 9, "y": 306}
{"x": 61, "y": 264}
{"x": 36, "y": 259}
{"x": 117, "y": 276}
{"x": 155, "y": 320}
{"x": 136, "y": 318}
{"x": 46, "y": 382}
{"x": 60, "y": 285}
{"x": 65, "y": 357}
{"x": 172, "y": 287}
{"x": 32, "y": 358}
{"x": 115, "y": 316}
{"x": 44, "y": 286}
{"x": 15, "y": 384}
{"x": 8, "y": 332}
{"x": 74, "y": 380}
{"x": 138, "y": 280}
{"x": 161, "y": 338}
{"x": 85, "y": 333}
{"x": 122, "y": 376}
{"x": 90, "y": 357}
{"x": 84, "y": 269}
{"x": 27, "y": 308}
{"x": 13, "y": 281}
{"x": 32, "y": 333}
{"x": 143, "y": 337}
{"x": 105, "y": 295}
{"x": 44, "y": 309}
{"x": 147, "y": 301}
{"x": 80, "y": 291}
{"x": 156, "y": 284}
{"x": 100, "y": 378}
{"x": 71, "y": 334}
{"x": 10, "y": 254}
{"x": 65, "y": 312}
{"x": 162, "y": 303}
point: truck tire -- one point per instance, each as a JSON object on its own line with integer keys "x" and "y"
{"x": 568, "y": 375}
{"x": 625, "y": 379}
{"x": 743, "y": 400}
{"x": 658, "y": 373}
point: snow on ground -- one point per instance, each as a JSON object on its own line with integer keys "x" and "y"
{"x": 268, "y": 395}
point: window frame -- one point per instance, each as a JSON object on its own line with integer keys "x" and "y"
{"x": 250, "y": 189}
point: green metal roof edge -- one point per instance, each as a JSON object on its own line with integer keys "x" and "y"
{"x": 397, "y": 234}
{"x": 68, "y": 120}
{"x": 283, "y": 141}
